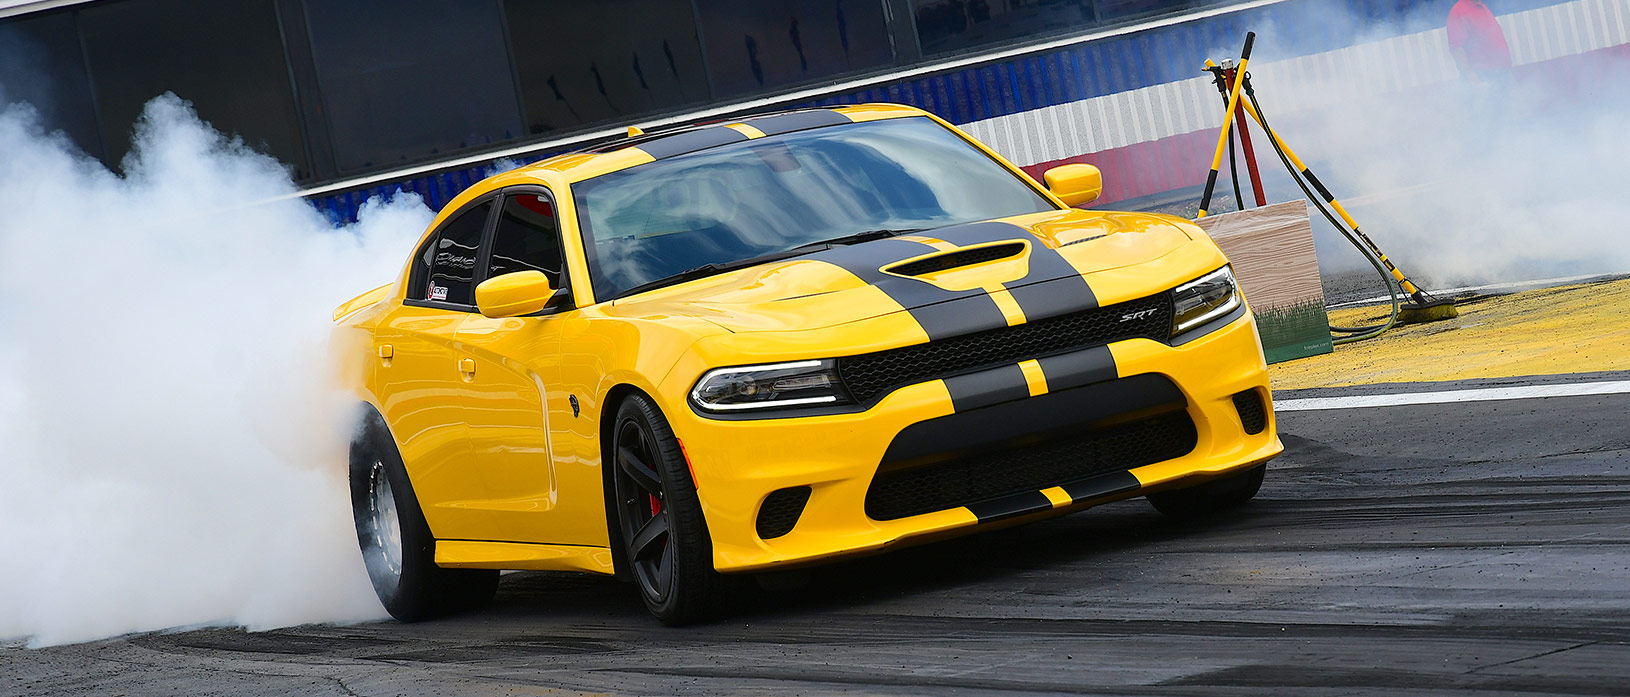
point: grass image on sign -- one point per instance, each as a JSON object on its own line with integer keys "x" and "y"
{"x": 1271, "y": 249}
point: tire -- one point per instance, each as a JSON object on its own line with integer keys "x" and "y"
{"x": 1209, "y": 498}
{"x": 396, "y": 543}
{"x": 665, "y": 542}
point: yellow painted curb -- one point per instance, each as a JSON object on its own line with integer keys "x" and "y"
{"x": 1567, "y": 329}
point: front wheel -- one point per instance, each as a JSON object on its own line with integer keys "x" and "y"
{"x": 396, "y": 543}
{"x": 665, "y": 539}
{"x": 1210, "y": 497}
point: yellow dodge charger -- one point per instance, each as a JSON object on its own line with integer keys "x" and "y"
{"x": 753, "y": 345}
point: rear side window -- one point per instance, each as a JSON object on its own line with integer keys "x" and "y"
{"x": 449, "y": 261}
{"x": 527, "y": 238}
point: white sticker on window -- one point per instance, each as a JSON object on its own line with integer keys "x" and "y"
{"x": 438, "y": 292}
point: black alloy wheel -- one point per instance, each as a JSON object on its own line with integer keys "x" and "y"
{"x": 646, "y": 521}
{"x": 665, "y": 539}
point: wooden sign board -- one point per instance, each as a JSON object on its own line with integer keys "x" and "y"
{"x": 1271, "y": 249}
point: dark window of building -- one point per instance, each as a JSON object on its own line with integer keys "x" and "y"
{"x": 406, "y": 80}
{"x": 590, "y": 62}
{"x": 41, "y": 64}
{"x": 1115, "y": 10}
{"x": 758, "y": 45}
{"x": 224, "y": 57}
{"x": 445, "y": 269}
{"x": 526, "y": 238}
{"x": 945, "y": 26}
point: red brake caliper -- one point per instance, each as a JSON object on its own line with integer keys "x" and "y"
{"x": 656, "y": 503}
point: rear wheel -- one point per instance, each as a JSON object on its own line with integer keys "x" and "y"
{"x": 396, "y": 543}
{"x": 665, "y": 539}
{"x": 1210, "y": 497}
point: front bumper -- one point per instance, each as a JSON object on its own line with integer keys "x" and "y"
{"x": 738, "y": 464}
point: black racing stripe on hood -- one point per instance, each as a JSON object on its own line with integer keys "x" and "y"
{"x": 797, "y": 121}
{"x": 1064, "y": 290}
{"x": 1052, "y": 287}
{"x": 691, "y": 141}
{"x": 928, "y": 304}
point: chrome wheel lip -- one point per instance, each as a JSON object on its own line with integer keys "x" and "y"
{"x": 384, "y": 522}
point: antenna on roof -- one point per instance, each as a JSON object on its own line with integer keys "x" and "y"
{"x": 635, "y": 131}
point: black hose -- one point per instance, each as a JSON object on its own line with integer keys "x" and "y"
{"x": 1392, "y": 292}
{"x": 1233, "y": 169}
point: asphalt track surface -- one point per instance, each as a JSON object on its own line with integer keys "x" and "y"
{"x": 1478, "y": 548}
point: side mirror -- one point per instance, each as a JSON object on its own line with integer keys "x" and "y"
{"x": 516, "y": 294}
{"x": 1075, "y": 184}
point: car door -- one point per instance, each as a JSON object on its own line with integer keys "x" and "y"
{"x": 516, "y": 378}
{"x": 420, "y": 382}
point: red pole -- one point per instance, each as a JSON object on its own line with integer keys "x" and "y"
{"x": 1245, "y": 143}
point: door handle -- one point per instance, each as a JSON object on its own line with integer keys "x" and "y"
{"x": 467, "y": 367}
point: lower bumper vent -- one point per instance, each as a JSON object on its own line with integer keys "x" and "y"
{"x": 781, "y": 511}
{"x": 1252, "y": 414}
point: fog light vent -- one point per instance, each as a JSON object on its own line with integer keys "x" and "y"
{"x": 780, "y": 511}
{"x": 1251, "y": 412}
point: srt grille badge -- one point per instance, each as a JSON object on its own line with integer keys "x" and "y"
{"x": 1140, "y": 314}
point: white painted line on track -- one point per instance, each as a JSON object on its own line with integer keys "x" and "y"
{"x": 1485, "y": 394}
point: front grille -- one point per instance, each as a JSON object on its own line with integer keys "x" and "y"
{"x": 981, "y": 477}
{"x": 873, "y": 375}
{"x": 952, "y": 260}
{"x": 781, "y": 511}
{"x": 1252, "y": 414}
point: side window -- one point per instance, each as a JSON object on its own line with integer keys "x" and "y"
{"x": 527, "y": 238}
{"x": 450, "y": 259}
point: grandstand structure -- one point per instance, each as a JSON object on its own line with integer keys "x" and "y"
{"x": 366, "y": 97}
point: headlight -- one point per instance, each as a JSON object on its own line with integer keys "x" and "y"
{"x": 754, "y": 387}
{"x": 1204, "y": 299}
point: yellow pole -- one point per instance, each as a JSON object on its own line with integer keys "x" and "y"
{"x": 1228, "y": 122}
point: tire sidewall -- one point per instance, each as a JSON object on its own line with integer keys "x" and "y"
{"x": 399, "y": 594}
{"x": 693, "y": 587}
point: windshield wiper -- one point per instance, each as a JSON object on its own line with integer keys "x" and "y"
{"x": 719, "y": 267}
{"x": 712, "y": 269}
{"x": 860, "y": 237}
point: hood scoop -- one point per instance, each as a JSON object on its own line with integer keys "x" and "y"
{"x": 956, "y": 259}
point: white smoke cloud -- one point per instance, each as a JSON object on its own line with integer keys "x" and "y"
{"x": 1461, "y": 179}
{"x": 171, "y": 452}
{"x": 1483, "y": 182}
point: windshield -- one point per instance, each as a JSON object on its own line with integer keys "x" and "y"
{"x": 772, "y": 194}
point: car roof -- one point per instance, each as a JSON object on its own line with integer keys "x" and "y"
{"x": 643, "y": 148}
